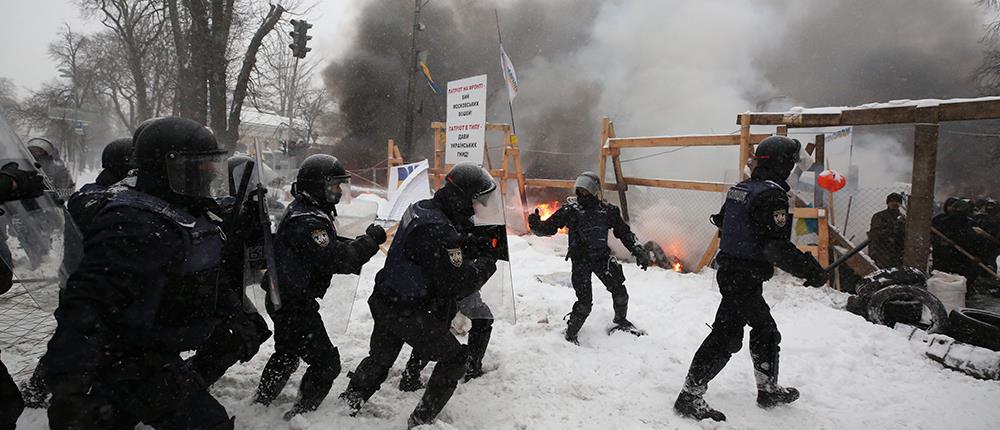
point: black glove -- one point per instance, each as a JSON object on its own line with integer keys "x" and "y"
{"x": 28, "y": 183}
{"x": 534, "y": 220}
{"x": 377, "y": 233}
{"x": 817, "y": 276}
{"x": 642, "y": 257}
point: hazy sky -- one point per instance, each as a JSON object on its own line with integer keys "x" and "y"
{"x": 28, "y": 26}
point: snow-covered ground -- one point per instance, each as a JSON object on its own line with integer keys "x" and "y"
{"x": 852, "y": 374}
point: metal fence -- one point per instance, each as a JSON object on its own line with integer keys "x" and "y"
{"x": 24, "y": 330}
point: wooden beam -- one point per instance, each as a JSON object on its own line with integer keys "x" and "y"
{"x": 706, "y": 259}
{"x": 746, "y": 148}
{"x": 602, "y": 163}
{"x": 693, "y": 140}
{"x": 716, "y": 187}
{"x": 805, "y": 213}
{"x": 920, "y": 205}
{"x": 955, "y": 111}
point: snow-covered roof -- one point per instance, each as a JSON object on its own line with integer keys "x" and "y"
{"x": 255, "y": 123}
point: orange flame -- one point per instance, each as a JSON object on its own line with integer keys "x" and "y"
{"x": 546, "y": 209}
{"x": 677, "y": 266}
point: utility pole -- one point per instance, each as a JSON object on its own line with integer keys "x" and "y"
{"x": 411, "y": 84}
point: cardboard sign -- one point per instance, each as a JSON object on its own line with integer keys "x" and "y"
{"x": 465, "y": 135}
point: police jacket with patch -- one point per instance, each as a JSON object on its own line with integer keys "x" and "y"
{"x": 426, "y": 266}
{"x": 308, "y": 253}
{"x": 756, "y": 228}
{"x": 588, "y": 228}
{"x": 147, "y": 286}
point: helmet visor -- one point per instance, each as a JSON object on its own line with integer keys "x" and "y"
{"x": 198, "y": 175}
{"x": 338, "y": 190}
{"x": 488, "y": 207}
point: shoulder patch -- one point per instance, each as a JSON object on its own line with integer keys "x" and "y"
{"x": 780, "y": 217}
{"x": 321, "y": 238}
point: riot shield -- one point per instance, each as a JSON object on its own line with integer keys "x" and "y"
{"x": 38, "y": 239}
{"x": 495, "y": 300}
{"x": 352, "y": 220}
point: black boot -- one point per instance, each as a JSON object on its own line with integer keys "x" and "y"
{"x": 779, "y": 396}
{"x": 274, "y": 377}
{"x": 695, "y": 407}
{"x": 479, "y": 339}
{"x": 409, "y": 381}
{"x": 573, "y": 327}
{"x": 35, "y": 391}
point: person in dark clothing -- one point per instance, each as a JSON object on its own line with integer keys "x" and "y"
{"x": 887, "y": 233}
{"x": 15, "y": 184}
{"x": 47, "y": 155}
{"x": 416, "y": 293}
{"x": 589, "y": 218}
{"x": 146, "y": 290}
{"x": 956, "y": 224}
{"x": 116, "y": 161}
{"x": 755, "y": 236}
{"x": 989, "y": 224}
{"x": 308, "y": 253}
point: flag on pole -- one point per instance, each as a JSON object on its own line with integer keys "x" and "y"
{"x": 509, "y": 76}
{"x": 430, "y": 81}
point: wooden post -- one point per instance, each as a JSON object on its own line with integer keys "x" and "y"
{"x": 820, "y": 156}
{"x": 782, "y": 130}
{"x": 921, "y": 201}
{"x": 823, "y": 238}
{"x": 602, "y": 165}
{"x": 515, "y": 150}
{"x": 393, "y": 159}
{"x": 706, "y": 259}
{"x": 439, "y": 143}
{"x": 746, "y": 148}
{"x": 616, "y": 162}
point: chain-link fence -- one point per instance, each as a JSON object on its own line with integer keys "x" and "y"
{"x": 24, "y": 330}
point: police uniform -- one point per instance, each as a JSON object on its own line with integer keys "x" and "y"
{"x": 413, "y": 302}
{"x": 755, "y": 235}
{"x": 145, "y": 292}
{"x": 308, "y": 253}
{"x": 589, "y": 252}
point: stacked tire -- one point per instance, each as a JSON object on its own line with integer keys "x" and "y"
{"x": 975, "y": 327}
{"x": 897, "y": 294}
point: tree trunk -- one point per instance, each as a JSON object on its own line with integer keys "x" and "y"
{"x": 243, "y": 80}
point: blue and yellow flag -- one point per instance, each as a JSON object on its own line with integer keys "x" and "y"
{"x": 430, "y": 81}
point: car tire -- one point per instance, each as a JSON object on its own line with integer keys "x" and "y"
{"x": 896, "y": 293}
{"x": 975, "y": 327}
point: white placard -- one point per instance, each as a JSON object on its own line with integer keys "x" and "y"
{"x": 466, "y": 133}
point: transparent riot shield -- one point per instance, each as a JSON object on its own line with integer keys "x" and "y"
{"x": 352, "y": 220}
{"x": 495, "y": 300}
{"x": 38, "y": 239}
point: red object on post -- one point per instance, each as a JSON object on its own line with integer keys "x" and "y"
{"x": 831, "y": 181}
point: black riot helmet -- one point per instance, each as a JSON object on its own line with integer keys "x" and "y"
{"x": 42, "y": 149}
{"x": 117, "y": 156}
{"x": 467, "y": 192}
{"x": 324, "y": 179}
{"x": 178, "y": 157}
{"x": 962, "y": 207}
{"x": 777, "y": 155}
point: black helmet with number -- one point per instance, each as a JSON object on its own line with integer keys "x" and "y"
{"x": 777, "y": 155}
{"x": 465, "y": 185}
{"x": 324, "y": 179}
{"x": 179, "y": 160}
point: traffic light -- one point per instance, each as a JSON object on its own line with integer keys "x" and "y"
{"x": 300, "y": 38}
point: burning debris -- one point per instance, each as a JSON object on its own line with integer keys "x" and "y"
{"x": 660, "y": 258}
{"x": 546, "y": 209}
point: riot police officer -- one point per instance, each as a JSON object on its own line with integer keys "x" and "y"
{"x": 415, "y": 294}
{"x": 145, "y": 291}
{"x": 756, "y": 232}
{"x": 47, "y": 155}
{"x": 308, "y": 253}
{"x": 589, "y": 218}
{"x": 116, "y": 162}
{"x": 15, "y": 184}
